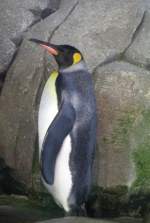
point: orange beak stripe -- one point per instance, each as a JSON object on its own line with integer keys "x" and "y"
{"x": 50, "y": 49}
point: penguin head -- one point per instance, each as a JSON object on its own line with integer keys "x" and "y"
{"x": 65, "y": 55}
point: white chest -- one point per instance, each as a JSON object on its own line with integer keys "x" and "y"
{"x": 48, "y": 107}
{"x": 47, "y": 111}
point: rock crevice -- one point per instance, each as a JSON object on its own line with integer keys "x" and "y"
{"x": 14, "y": 26}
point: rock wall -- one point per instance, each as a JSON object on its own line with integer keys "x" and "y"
{"x": 114, "y": 38}
{"x": 122, "y": 91}
{"x": 17, "y": 17}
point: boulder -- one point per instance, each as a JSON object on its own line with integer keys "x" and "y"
{"x": 7, "y": 50}
{"x": 147, "y": 218}
{"x": 139, "y": 51}
{"x": 128, "y": 220}
{"x": 16, "y": 16}
{"x": 100, "y": 29}
{"x": 123, "y": 106}
{"x": 91, "y": 220}
{"x": 76, "y": 220}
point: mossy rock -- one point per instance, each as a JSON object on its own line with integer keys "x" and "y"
{"x": 123, "y": 156}
{"x": 141, "y": 153}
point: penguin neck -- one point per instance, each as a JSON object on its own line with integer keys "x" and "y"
{"x": 75, "y": 67}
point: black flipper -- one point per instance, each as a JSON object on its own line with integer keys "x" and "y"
{"x": 56, "y": 133}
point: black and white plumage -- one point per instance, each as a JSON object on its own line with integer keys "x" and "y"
{"x": 67, "y": 132}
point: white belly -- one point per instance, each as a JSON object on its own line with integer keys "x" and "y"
{"x": 62, "y": 180}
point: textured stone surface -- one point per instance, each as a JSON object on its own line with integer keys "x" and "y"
{"x": 100, "y": 29}
{"x": 16, "y": 16}
{"x": 139, "y": 51}
{"x": 128, "y": 220}
{"x": 7, "y": 50}
{"x": 75, "y": 220}
{"x": 147, "y": 218}
{"x": 28, "y": 209}
{"x": 123, "y": 92}
{"x": 90, "y": 220}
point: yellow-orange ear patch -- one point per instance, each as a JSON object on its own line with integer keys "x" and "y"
{"x": 76, "y": 58}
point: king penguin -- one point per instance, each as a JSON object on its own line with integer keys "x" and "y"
{"x": 67, "y": 129}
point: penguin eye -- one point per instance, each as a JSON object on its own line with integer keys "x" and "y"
{"x": 76, "y": 58}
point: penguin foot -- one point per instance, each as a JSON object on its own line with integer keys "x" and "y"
{"x": 77, "y": 211}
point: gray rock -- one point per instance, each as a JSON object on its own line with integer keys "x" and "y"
{"x": 139, "y": 51}
{"x": 147, "y": 218}
{"x": 54, "y": 4}
{"x": 147, "y": 4}
{"x": 76, "y": 220}
{"x": 129, "y": 220}
{"x": 90, "y": 220}
{"x": 16, "y": 16}
{"x": 123, "y": 93}
{"x": 100, "y": 29}
{"x": 7, "y": 50}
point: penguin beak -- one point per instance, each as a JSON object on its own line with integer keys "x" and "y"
{"x": 51, "y": 48}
